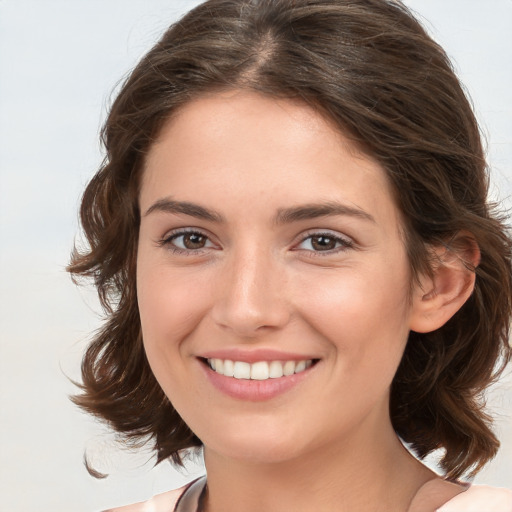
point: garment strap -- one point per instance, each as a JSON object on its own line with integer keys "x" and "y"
{"x": 193, "y": 497}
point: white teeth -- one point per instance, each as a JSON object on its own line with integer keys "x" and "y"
{"x": 229, "y": 368}
{"x": 300, "y": 366}
{"x": 289, "y": 368}
{"x": 219, "y": 365}
{"x": 275, "y": 370}
{"x": 242, "y": 370}
{"x": 262, "y": 370}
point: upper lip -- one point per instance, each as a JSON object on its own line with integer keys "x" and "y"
{"x": 254, "y": 355}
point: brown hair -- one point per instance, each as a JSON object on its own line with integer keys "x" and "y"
{"x": 370, "y": 67}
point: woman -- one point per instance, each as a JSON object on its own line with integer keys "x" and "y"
{"x": 291, "y": 236}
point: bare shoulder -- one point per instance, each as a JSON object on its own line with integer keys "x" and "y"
{"x": 478, "y": 498}
{"x": 165, "y": 502}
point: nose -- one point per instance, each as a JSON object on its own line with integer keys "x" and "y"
{"x": 250, "y": 297}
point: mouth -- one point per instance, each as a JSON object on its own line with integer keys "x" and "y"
{"x": 260, "y": 370}
{"x": 258, "y": 374}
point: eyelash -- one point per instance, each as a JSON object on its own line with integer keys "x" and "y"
{"x": 167, "y": 242}
{"x": 344, "y": 243}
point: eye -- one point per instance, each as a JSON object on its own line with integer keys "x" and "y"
{"x": 187, "y": 241}
{"x": 324, "y": 242}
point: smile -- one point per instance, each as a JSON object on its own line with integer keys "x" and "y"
{"x": 261, "y": 370}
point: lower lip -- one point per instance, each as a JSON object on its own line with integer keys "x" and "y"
{"x": 254, "y": 390}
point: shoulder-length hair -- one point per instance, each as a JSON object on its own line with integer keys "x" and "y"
{"x": 370, "y": 67}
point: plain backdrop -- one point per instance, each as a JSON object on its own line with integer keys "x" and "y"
{"x": 59, "y": 62}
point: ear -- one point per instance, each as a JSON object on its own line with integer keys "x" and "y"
{"x": 439, "y": 296}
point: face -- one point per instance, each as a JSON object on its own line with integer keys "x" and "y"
{"x": 270, "y": 250}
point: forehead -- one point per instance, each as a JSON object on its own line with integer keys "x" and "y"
{"x": 242, "y": 144}
{"x": 215, "y": 114}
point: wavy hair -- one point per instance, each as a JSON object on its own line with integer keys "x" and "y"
{"x": 371, "y": 68}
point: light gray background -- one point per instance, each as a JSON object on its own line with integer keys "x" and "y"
{"x": 59, "y": 61}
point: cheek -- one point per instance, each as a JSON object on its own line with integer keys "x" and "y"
{"x": 171, "y": 305}
{"x": 352, "y": 302}
{"x": 363, "y": 315}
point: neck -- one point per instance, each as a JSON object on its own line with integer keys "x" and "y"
{"x": 371, "y": 473}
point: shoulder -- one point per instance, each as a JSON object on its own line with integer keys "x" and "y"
{"x": 165, "y": 502}
{"x": 478, "y": 498}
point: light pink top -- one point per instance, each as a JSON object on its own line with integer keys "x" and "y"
{"x": 477, "y": 498}
{"x": 480, "y": 498}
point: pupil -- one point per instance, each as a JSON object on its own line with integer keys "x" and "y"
{"x": 194, "y": 241}
{"x": 323, "y": 243}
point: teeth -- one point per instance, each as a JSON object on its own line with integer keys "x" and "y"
{"x": 229, "y": 368}
{"x": 262, "y": 370}
{"x": 289, "y": 368}
{"x": 300, "y": 366}
{"x": 219, "y": 365}
{"x": 275, "y": 370}
{"x": 242, "y": 370}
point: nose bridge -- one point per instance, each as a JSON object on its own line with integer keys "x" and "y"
{"x": 252, "y": 292}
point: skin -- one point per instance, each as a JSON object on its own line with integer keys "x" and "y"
{"x": 253, "y": 283}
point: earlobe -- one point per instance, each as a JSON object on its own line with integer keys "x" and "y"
{"x": 437, "y": 297}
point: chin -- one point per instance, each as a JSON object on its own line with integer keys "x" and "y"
{"x": 257, "y": 447}
{"x": 256, "y": 453}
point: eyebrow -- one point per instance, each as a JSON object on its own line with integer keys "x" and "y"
{"x": 314, "y": 210}
{"x": 168, "y": 205}
{"x": 283, "y": 216}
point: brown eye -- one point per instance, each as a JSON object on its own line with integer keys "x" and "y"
{"x": 323, "y": 243}
{"x": 188, "y": 241}
{"x": 194, "y": 241}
